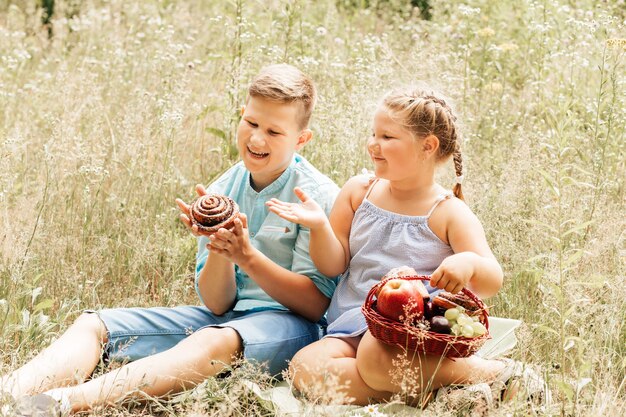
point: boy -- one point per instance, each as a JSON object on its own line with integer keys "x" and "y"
{"x": 262, "y": 294}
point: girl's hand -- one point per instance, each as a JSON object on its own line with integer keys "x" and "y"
{"x": 233, "y": 244}
{"x": 308, "y": 213}
{"x": 454, "y": 273}
{"x": 185, "y": 217}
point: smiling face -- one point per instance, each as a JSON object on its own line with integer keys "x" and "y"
{"x": 267, "y": 136}
{"x": 396, "y": 153}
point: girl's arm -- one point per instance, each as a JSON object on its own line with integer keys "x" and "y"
{"x": 329, "y": 246}
{"x": 473, "y": 263}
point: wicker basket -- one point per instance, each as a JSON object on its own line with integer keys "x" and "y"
{"x": 413, "y": 338}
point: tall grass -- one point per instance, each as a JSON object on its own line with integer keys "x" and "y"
{"x": 113, "y": 109}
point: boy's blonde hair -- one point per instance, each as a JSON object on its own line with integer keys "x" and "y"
{"x": 424, "y": 112}
{"x": 284, "y": 83}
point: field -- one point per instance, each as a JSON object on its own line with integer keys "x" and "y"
{"x": 111, "y": 109}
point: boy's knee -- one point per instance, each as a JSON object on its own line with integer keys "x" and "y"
{"x": 91, "y": 324}
{"x": 214, "y": 343}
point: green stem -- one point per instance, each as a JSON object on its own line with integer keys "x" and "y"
{"x": 598, "y": 167}
{"x": 43, "y": 204}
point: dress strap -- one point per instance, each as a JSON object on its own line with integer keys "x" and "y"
{"x": 441, "y": 198}
{"x": 371, "y": 188}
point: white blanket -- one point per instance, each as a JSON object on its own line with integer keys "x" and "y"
{"x": 281, "y": 400}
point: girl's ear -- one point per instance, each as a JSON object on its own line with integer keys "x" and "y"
{"x": 430, "y": 144}
{"x": 305, "y": 136}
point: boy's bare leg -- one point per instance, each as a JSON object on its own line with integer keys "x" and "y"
{"x": 69, "y": 359}
{"x": 202, "y": 354}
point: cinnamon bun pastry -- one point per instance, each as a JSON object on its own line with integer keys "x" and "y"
{"x": 212, "y": 212}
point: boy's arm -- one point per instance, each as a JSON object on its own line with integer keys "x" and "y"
{"x": 473, "y": 263}
{"x": 293, "y": 290}
{"x": 215, "y": 281}
{"x": 216, "y": 284}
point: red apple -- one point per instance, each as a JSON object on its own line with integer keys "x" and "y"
{"x": 400, "y": 298}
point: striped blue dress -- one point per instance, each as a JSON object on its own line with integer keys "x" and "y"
{"x": 379, "y": 241}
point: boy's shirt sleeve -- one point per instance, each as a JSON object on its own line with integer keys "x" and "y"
{"x": 302, "y": 262}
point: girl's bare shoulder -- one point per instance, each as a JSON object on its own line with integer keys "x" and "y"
{"x": 356, "y": 188}
{"x": 454, "y": 210}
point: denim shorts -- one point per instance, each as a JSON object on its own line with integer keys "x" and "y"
{"x": 270, "y": 337}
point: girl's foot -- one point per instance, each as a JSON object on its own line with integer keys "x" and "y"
{"x": 520, "y": 381}
{"x": 468, "y": 400}
{"x": 517, "y": 381}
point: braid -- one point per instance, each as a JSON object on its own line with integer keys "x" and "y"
{"x": 441, "y": 102}
{"x": 458, "y": 169}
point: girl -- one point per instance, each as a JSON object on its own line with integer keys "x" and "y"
{"x": 401, "y": 217}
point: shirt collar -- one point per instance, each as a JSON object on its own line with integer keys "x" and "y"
{"x": 279, "y": 182}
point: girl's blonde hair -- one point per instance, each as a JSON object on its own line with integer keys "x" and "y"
{"x": 424, "y": 112}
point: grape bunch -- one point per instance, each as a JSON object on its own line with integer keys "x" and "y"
{"x": 463, "y": 325}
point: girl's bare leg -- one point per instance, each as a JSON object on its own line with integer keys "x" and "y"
{"x": 202, "y": 354}
{"x": 375, "y": 362}
{"x": 329, "y": 366}
{"x": 68, "y": 360}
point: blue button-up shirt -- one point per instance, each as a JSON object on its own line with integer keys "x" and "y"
{"x": 285, "y": 243}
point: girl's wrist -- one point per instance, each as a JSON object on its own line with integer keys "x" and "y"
{"x": 324, "y": 227}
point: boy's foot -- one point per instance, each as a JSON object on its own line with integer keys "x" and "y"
{"x": 520, "y": 381}
{"x": 40, "y": 405}
{"x": 6, "y": 404}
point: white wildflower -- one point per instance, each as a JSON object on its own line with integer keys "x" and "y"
{"x": 321, "y": 31}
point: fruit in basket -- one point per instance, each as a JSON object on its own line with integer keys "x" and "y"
{"x": 461, "y": 324}
{"x": 479, "y": 328}
{"x": 452, "y": 314}
{"x": 460, "y": 301}
{"x": 407, "y": 271}
{"x": 400, "y": 299}
{"x": 440, "y": 324}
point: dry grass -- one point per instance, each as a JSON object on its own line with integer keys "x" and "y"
{"x": 129, "y": 104}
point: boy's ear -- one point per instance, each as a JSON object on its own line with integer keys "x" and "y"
{"x": 430, "y": 144}
{"x": 305, "y": 136}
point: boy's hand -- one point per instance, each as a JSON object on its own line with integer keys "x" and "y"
{"x": 454, "y": 273}
{"x": 308, "y": 213}
{"x": 233, "y": 244}
{"x": 185, "y": 217}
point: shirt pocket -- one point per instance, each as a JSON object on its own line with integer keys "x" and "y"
{"x": 277, "y": 239}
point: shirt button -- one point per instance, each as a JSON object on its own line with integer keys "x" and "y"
{"x": 240, "y": 286}
{"x": 252, "y": 234}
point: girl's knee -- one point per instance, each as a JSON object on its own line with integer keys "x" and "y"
{"x": 371, "y": 363}
{"x": 297, "y": 369}
{"x": 306, "y": 368}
